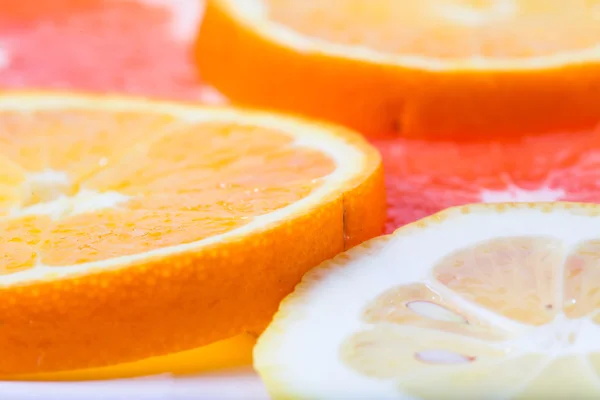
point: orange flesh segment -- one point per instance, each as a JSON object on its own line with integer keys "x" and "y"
{"x": 108, "y": 233}
{"x": 77, "y": 142}
{"x": 20, "y": 243}
{"x": 227, "y": 157}
{"x": 516, "y": 277}
{"x": 447, "y": 28}
{"x": 177, "y": 184}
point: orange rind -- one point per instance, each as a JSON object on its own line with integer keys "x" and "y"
{"x": 136, "y": 228}
{"x": 458, "y": 69}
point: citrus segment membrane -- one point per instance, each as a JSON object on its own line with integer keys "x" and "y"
{"x": 446, "y": 28}
{"x": 130, "y": 215}
{"x": 502, "y": 306}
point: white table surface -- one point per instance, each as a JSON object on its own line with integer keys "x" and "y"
{"x": 240, "y": 384}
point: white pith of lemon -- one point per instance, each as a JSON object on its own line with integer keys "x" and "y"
{"x": 482, "y": 301}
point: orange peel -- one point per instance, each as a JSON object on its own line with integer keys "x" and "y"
{"x": 136, "y": 228}
{"x": 435, "y": 68}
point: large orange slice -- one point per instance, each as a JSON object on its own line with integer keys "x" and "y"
{"x": 133, "y": 228}
{"x": 475, "y": 302}
{"x": 430, "y": 68}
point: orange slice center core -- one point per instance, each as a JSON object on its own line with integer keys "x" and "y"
{"x": 52, "y": 193}
{"x": 46, "y": 186}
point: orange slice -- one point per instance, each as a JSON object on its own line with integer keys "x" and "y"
{"x": 435, "y": 68}
{"x": 133, "y": 228}
{"x": 481, "y": 301}
{"x": 224, "y": 355}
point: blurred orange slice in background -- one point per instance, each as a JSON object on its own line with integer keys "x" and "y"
{"x": 429, "y": 68}
{"x": 133, "y": 228}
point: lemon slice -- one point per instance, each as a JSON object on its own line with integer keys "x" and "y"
{"x": 482, "y": 301}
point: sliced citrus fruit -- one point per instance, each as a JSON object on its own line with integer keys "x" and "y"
{"x": 58, "y": 45}
{"x": 422, "y": 176}
{"x": 435, "y": 68}
{"x": 480, "y": 301}
{"x": 133, "y": 228}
